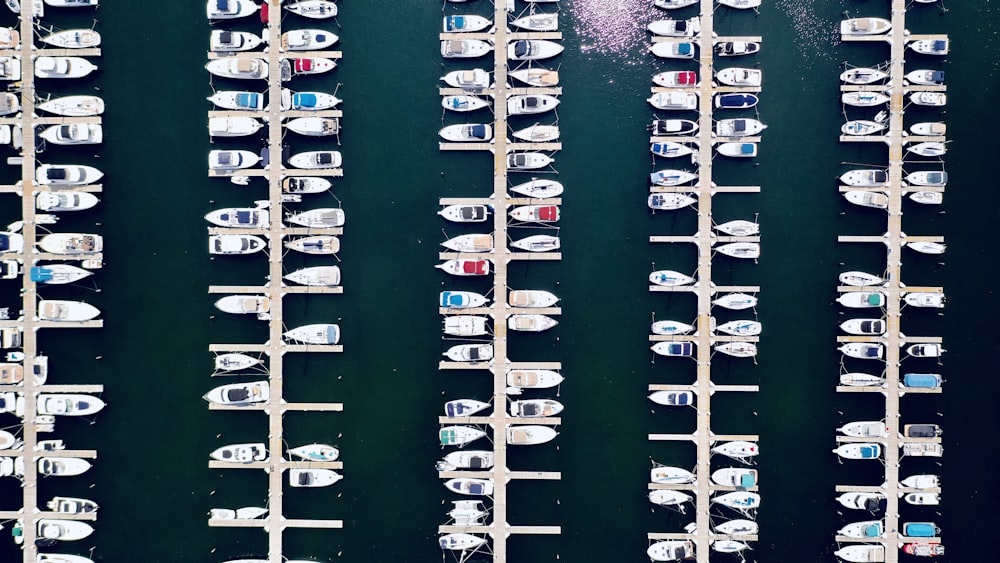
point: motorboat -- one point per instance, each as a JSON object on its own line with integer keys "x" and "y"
{"x": 530, "y": 435}
{"x": 740, "y": 477}
{"x": 872, "y": 502}
{"x": 670, "y": 328}
{"x": 922, "y": 499}
{"x": 925, "y": 247}
{"x": 742, "y": 501}
{"x": 63, "y": 67}
{"x": 73, "y": 134}
{"x": 863, "y": 99}
{"x": 464, "y": 267}
{"x": 233, "y": 126}
{"x": 865, "y": 177}
{"x": 66, "y": 311}
{"x": 314, "y": 9}
{"x": 738, "y": 228}
{"x": 665, "y": 475}
{"x": 537, "y": 133}
{"x": 320, "y": 333}
{"x": 307, "y": 101}
{"x": 737, "y": 150}
{"x": 308, "y": 40}
{"x": 674, "y": 5}
{"x": 464, "y": 48}
{"x": 670, "y": 149}
{"x": 933, "y": 99}
{"x": 674, "y": 100}
{"x": 68, "y": 404}
{"x": 62, "y": 175}
{"x": 473, "y": 242}
{"x": 737, "y": 349}
{"x": 924, "y": 299}
{"x": 315, "y": 244}
{"x": 859, "y": 450}
{"x": 56, "y": 202}
{"x": 313, "y": 477}
{"x": 238, "y": 100}
{"x": 925, "y": 77}
{"x": 319, "y": 218}
{"x": 10, "y": 68}
{"x": 315, "y": 452}
{"x": 535, "y": 213}
{"x": 530, "y": 323}
{"x": 539, "y": 77}
{"x": 73, "y": 39}
{"x": 62, "y": 466}
{"x": 244, "y": 513}
{"x": 676, "y": 28}
{"x": 9, "y": 103}
{"x": 227, "y": 160}
{"x": 672, "y": 398}
{"x": 864, "y": 327}
{"x": 865, "y": 429}
{"x": 928, "y": 178}
{"x": 925, "y": 350}
{"x": 533, "y": 378}
{"x": 464, "y": 24}
{"x": 464, "y": 407}
{"x": 239, "y": 393}
{"x": 63, "y": 530}
{"x": 928, "y": 148}
{"x": 474, "y": 79}
{"x": 467, "y": 132}
{"x": 238, "y": 68}
{"x": 921, "y": 482}
{"x": 861, "y": 553}
{"x": 315, "y": 160}
{"x": 673, "y": 49}
{"x": 668, "y": 497}
{"x": 862, "y": 299}
{"x": 861, "y": 380}
{"x": 862, "y": 76}
{"x": 930, "y": 46}
{"x": 536, "y": 243}
{"x": 312, "y": 65}
{"x": 460, "y": 541}
{"x": 235, "y": 362}
{"x": 736, "y": 48}
{"x": 735, "y": 100}
{"x": 461, "y": 300}
{"x": 529, "y": 104}
{"x": 258, "y": 305}
{"x": 865, "y": 198}
{"x": 470, "y": 353}
{"x": 860, "y": 127}
{"x": 668, "y": 177}
{"x": 530, "y": 408}
{"x": 739, "y": 527}
{"x": 740, "y": 328}
{"x": 729, "y": 546}
{"x": 466, "y": 459}
{"x": 736, "y": 76}
{"x": 866, "y": 529}
{"x": 463, "y": 103}
{"x": 531, "y": 298}
{"x": 736, "y": 301}
{"x": 475, "y": 487}
{"x": 929, "y": 129}
{"x": 58, "y": 274}
{"x": 738, "y": 127}
{"x": 669, "y": 201}
{"x": 673, "y": 127}
{"x": 72, "y": 505}
{"x": 865, "y": 26}
{"x": 465, "y": 325}
{"x": 921, "y": 529}
{"x": 532, "y": 49}
{"x": 740, "y": 4}
{"x": 738, "y": 449}
{"x": 670, "y": 278}
{"x": 673, "y": 349}
{"x": 860, "y": 279}
{"x": 71, "y": 243}
{"x": 671, "y": 550}
{"x": 537, "y": 22}
{"x": 304, "y": 185}
{"x": 922, "y": 431}
{"x": 240, "y": 453}
{"x": 863, "y": 350}
{"x": 922, "y": 380}
{"x": 228, "y": 9}
{"x": 314, "y": 126}
{"x": 225, "y": 41}
{"x": 316, "y": 276}
{"x": 240, "y": 217}
{"x": 528, "y": 161}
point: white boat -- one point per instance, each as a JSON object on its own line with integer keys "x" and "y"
{"x": 671, "y": 550}
{"x": 240, "y": 453}
{"x": 737, "y": 349}
{"x": 308, "y": 40}
{"x": 238, "y": 100}
{"x": 537, "y": 22}
{"x": 737, "y": 76}
{"x": 9, "y": 103}
{"x": 231, "y": 159}
{"x": 258, "y": 305}
{"x": 865, "y": 26}
{"x": 10, "y": 68}
{"x": 532, "y": 49}
{"x": 736, "y": 48}
{"x": 924, "y": 299}
{"x": 530, "y": 323}
{"x": 676, "y": 28}
{"x": 739, "y": 527}
{"x": 464, "y": 24}
{"x": 736, "y": 301}
{"x": 474, "y": 79}
{"x": 862, "y": 327}
{"x": 741, "y": 501}
{"x": 315, "y": 452}
{"x": 239, "y": 217}
{"x": 528, "y": 104}
{"x": 225, "y": 41}
{"x": 930, "y": 46}
{"x": 533, "y": 378}
{"x": 233, "y": 126}
{"x": 536, "y": 243}
{"x": 673, "y": 5}
{"x": 464, "y": 407}
{"x": 235, "y": 362}
{"x": 459, "y": 435}
{"x": 535, "y": 408}
{"x": 861, "y": 127}
{"x": 535, "y": 213}
{"x": 738, "y": 228}
{"x": 319, "y": 218}
{"x": 925, "y": 77}
{"x": 540, "y": 77}
{"x": 467, "y": 133}
{"x": 241, "y": 68}
{"x": 321, "y": 333}
{"x": 670, "y": 328}
{"x": 738, "y": 127}
{"x": 729, "y": 546}
{"x": 307, "y": 101}
{"x": 862, "y": 299}
{"x": 925, "y": 350}
{"x": 477, "y": 487}
{"x": 737, "y": 449}
{"x": 465, "y": 325}
{"x": 861, "y": 553}
{"x": 62, "y": 466}
{"x": 71, "y": 243}
{"x": 315, "y": 160}
{"x": 671, "y": 149}
{"x": 740, "y": 328}
{"x": 934, "y": 99}
{"x": 466, "y": 459}
{"x": 928, "y": 148}
{"x": 859, "y": 450}
{"x": 743, "y": 478}
{"x": 865, "y": 429}
{"x": 863, "y": 350}
{"x": 665, "y": 475}
{"x": 668, "y": 497}
{"x": 531, "y": 298}
{"x": 864, "y": 529}
{"x": 672, "y": 398}
{"x": 670, "y": 278}
{"x": 929, "y": 129}
{"x": 68, "y": 404}
{"x": 63, "y": 530}
{"x": 865, "y": 198}
{"x": 473, "y": 242}
{"x": 673, "y": 349}
{"x": 313, "y": 477}
{"x": 71, "y": 3}
{"x": 921, "y": 482}
{"x": 460, "y": 541}
{"x": 922, "y": 499}
{"x": 862, "y": 501}
{"x": 316, "y": 276}
{"x": 73, "y": 39}
{"x": 735, "y": 100}
{"x": 673, "y": 49}
{"x": 740, "y": 4}
{"x": 928, "y": 178}
{"x": 465, "y": 48}
{"x": 862, "y": 76}
{"x": 304, "y": 185}
{"x": 530, "y": 435}
{"x": 229, "y": 9}
{"x": 66, "y": 311}
{"x": 67, "y": 175}
{"x": 463, "y": 267}
{"x": 924, "y": 247}
{"x": 863, "y": 99}
{"x": 55, "y": 202}
{"x": 239, "y": 393}
{"x": 669, "y": 201}
{"x": 537, "y": 133}
{"x": 461, "y": 299}
{"x": 72, "y": 505}
{"x": 737, "y": 150}
{"x": 314, "y": 126}
{"x": 58, "y": 274}
{"x": 316, "y": 244}
{"x": 673, "y": 127}
{"x": 668, "y": 177}
{"x": 244, "y": 513}
{"x": 860, "y": 279}
{"x": 463, "y": 103}
{"x": 470, "y": 353}
{"x": 528, "y": 160}
{"x": 63, "y": 67}
{"x": 314, "y": 9}
{"x": 861, "y": 380}
{"x": 865, "y": 177}
{"x": 674, "y": 100}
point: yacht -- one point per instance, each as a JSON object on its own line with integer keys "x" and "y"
{"x": 470, "y": 353}
{"x": 861, "y": 553}
{"x": 238, "y": 100}
{"x": 671, "y": 550}
{"x": 736, "y": 48}
{"x": 229, "y": 9}
{"x": 475, "y": 487}
{"x": 58, "y": 274}
{"x": 863, "y": 327}
{"x": 539, "y": 77}
{"x": 922, "y": 380}
{"x": 68, "y": 404}
{"x": 929, "y": 46}
{"x": 738, "y": 449}
{"x": 316, "y": 244}
{"x": 859, "y": 450}
{"x": 928, "y": 148}
{"x": 533, "y": 379}
{"x": 467, "y": 512}
{"x": 65, "y": 175}
{"x": 239, "y": 393}
{"x": 537, "y": 22}
{"x": 74, "y": 134}
{"x": 923, "y": 481}
{"x": 926, "y": 247}
{"x": 240, "y": 217}
{"x": 304, "y": 185}
{"x": 316, "y": 276}
{"x": 473, "y": 242}
{"x": 669, "y": 201}
{"x": 862, "y": 299}
{"x": 670, "y": 328}
{"x": 310, "y": 65}
{"x": 238, "y": 68}
{"x": 528, "y": 161}
{"x": 465, "y": 325}
{"x": 314, "y": 126}
{"x": 307, "y": 40}
{"x": 922, "y": 299}
{"x": 863, "y": 350}
{"x": 674, "y": 5}
{"x": 235, "y": 362}
{"x": 865, "y": 26}
{"x": 56, "y": 202}
{"x": 63, "y": 67}
{"x": 464, "y": 407}
{"x": 933, "y": 99}
{"x": 736, "y": 301}
{"x": 925, "y": 350}
{"x": 230, "y": 160}
{"x": 872, "y": 502}
{"x": 863, "y": 99}
{"x": 678, "y": 349}
{"x": 738, "y": 127}
{"x": 531, "y": 298}
{"x": 224, "y": 41}
{"x": 240, "y": 453}
{"x": 738, "y": 76}
{"x": 474, "y": 79}
{"x": 316, "y": 160}
{"x": 66, "y": 311}
{"x": 672, "y": 398}
{"x": 866, "y": 529}
{"x": 71, "y": 243}
{"x": 665, "y": 475}
{"x": 313, "y": 477}
{"x": 313, "y": 9}
{"x": 532, "y": 49}
{"x": 530, "y": 323}
{"x": 928, "y": 178}
{"x": 464, "y": 48}
{"x": 742, "y": 501}
{"x": 319, "y": 218}
{"x": 259, "y": 305}
{"x": 462, "y": 267}
{"x": 537, "y": 243}
{"x": 465, "y": 213}
{"x": 314, "y": 334}
{"x": 315, "y": 452}
{"x": 530, "y": 104}
{"x": 737, "y": 349}
{"x": 735, "y": 100}
{"x": 865, "y": 429}
{"x": 461, "y": 299}
{"x": 925, "y": 77}
{"x": 464, "y": 24}
{"x": 73, "y": 106}
{"x": 530, "y": 435}
{"x": 235, "y": 244}
{"x": 670, "y": 278}
{"x": 9, "y": 103}
{"x": 673, "y": 49}
{"x": 63, "y": 530}
{"x": 674, "y": 100}
{"x": 860, "y": 127}
{"x": 861, "y": 76}
{"x": 742, "y": 478}
{"x": 676, "y": 28}
{"x": 466, "y": 459}
{"x": 462, "y": 103}
{"x": 62, "y": 466}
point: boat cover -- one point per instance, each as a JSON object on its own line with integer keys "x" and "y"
{"x": 872, "y": 351}
{"x": 5, "y": 243}
{"x": 477, "y": 131}
{"x": 237, "y": 395}
{"x": 456, "y": 22}
{"x": 680, "y": 26}
{"x": 226, "y": 38}
{"x": 873, "y": 504}
{"x": 478, "y": 462}
{"x": 474, "y": 353}
{"x": 686, "y": 78}
{"x": 305, "y": 100}
{"x": 244, "y": 217}
{"x": 922, "y": 431}
{"x": 926, "y": 380}
{"x": 548, "y": 213}
{"x": 473, "y": 212}
{"x": 937, "y": 76}
{"x": 736, "y": 100}
{"x": 522, "y": 48}
{"x": 873, "y": 530}
{"x": 305, "y": 478}
{"x": 324, "y": 158}
{"x": 869, "y": 452}
{"x": 920, "y": 529}
{"x": 246, "y": 100}
{"x": 222, "y": 5}
{"x": 684, "y": 48}
{"x": 303, "y": 65}
{"x": 874, "y": 299}
{"x": 477, "y": 267}
{"x": 939, "y": 45}
{"x": 747, "y": 148}
{"x": 55, "y": 173}
{"x": 477, "y": 489}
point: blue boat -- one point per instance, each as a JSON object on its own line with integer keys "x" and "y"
{"x": 735, "y": 101}
{"x": 922, "y": 380}
{"x": 921, "y": 529}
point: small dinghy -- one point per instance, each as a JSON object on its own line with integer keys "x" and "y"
{"x": 308, "y": 40}
{"x": 537, "y": 22}
{"x": 533, "y": 379}
{"x": 670, "y": 278}
{"x": 861, "y": 380}
{"x": 313, "y": 477}
{"x": 676, "y": 28}
{"x": 235, "y": 362}
{"x": 316, "y": 276}
{"x": 863, "y": 99}
{"x": 464, "y": 24}
{"x": 674, "y": 100}
{"x": 470, "y": 353}
{"x": 314, "y": 9}
{"x": 223, "y": 41}
{"x": 673, "y": 349}
{"x": 736, "y": 76}
{"x": 673, "y": 49}
{"x": 315, "y": 452}
{"x": 927, "y": 247}
{"x": 531, "y": 298}
{"x": 467, "y": 133}
{"x": 530, "y": 323}
{"x": 473, "y": 242}
{"x": 532, "y": 49}
{"x": 672, "y": 398}
{"x": 314, "y": 334}
{"x": 241, "y": 453}
{"x": 537, "y": 133}
{"x": 304, "y": 185}
{"x": 317, "y": 244}
{"x": 862, "y": 76}
{"x": 463, "y": 103}
{"x": 670, "y": 177}
{"x": 537, "y": 243}
{"x": 921, "y": 299}
{"x": 859, "y": 451}
{"x": 670, "y": 328}
{"x": 464, "y": 407}
{"x": 539, "y": 77}
{"x": 668, "y": 497}
{"x": 461, "y": 300}
{"x": 664, "y": 475}
{"x": 735, "y": 477}
{"x": 669, "y": 201}
{"x": 314, "y": 126}
{"x": 461, "y": 267}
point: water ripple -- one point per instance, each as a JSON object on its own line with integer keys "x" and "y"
{"x": 614, "y": 29}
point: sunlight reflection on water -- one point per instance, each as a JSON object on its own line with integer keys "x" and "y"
{"x": 614, "y": 29}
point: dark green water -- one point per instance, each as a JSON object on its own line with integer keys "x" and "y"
{"x": 152, "y": 478}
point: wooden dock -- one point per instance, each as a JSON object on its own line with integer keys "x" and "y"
{"x": 894, "y": 240}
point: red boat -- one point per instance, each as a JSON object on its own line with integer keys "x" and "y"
{"x": 461, "y": 267}
{"x": 313, "y": 66}
{"x": 536, "y": 213}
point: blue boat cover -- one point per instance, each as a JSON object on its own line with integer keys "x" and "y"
{"x": 478, "y": 131}
{"x": 684, "y": 48}
{"x": 39, "y": 274}
{"x": 926, "y": 380}
{"x": 243, "y": 217}
{"x": 869, "y": 452}
{"x": 919, "y": 529}
{"x": 746, "y": 148}
{"x": 872, "y": 351}
{"x": 521, "y": 48}
{"x": 477, "y": 489}
{"x": 940, "y": 45}
{"x": 456, "y": 102}
{"x": 747, "y": 480}
{"x": 222, "y": 5}
{"x": 937, "y": 76}
{"x": 304, "y": 100}
{"x": 246, "y": 100}
{"x": 873, "y": 530}
{"x": 4, "y": 243}
{"x": 456, "y": 22}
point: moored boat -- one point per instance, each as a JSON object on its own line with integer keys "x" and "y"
{"x": 314, "y": 126}
{"x": 537, "y": 22}
{"x": 319, "y": 218}
{"x": 66, "y": 311}
{"x": 68, "y": 404}
{"x": 872, "y": 502}
{"x": 669, "y": 328}
{"x": 532, "y": 49}
{"x": 930, "y": 46}
{"x": 465, "y": 325}
{"x": 929, "y": 129}
{"x": 668, "y": 177}
{"x": 933, "y": 99}
{"x": 464, "y": 267}
{"x": 228, "y": 9}
{"x": 308, "y": 39}
{"x": 676, "y": 28}
{"x": 860, "y": 279}
{"x": 674, "y": 100}
{"x": 865, "y": 429}
{"x": 863, "y": 350}
{"x": 669, "y": 201}
{"x": 235, "y": 362}
{"x": 736, "y": 48}
{"x": 464, "y": 24}
{"x": 862, "y": 299}
{"x": 866, "y": 198}
{"x": 925, "y": 77}
{"x": 740, "y": 328}
{"x": 857, "y": 379}
{"x": 737, "y": 349}
{"x": 865, "y": 177}
{"x": 924, "y": 299}
{"x": 743, "y": 478}
{"x": 460, "y": 541}
{"x": 67, "y": 174}
{"x": 673, "y": 127}
{"x": 537, "y": 243}
{"x": 240, "y": 217}
{"x": 468, "y": 486}
{"x": 240, "y": 453}
{"x": 316, "y": 276}
{"x": 475, "y": 79}
{"x": 540, "y": 77}
{"x": 63, "y": 67}
{"x": 313, "y": 477}
{"x": 464, "y": 48}
{"x": 739, "y": 527}
{"x": 742, "y": 501}
{"x": 861, "y": 76}
{"x": 863, "y": 99}
{"x": 531, "y": 298}
{"x": 313, "y": 9}
{"x": 473, "y": 242}
{"x": 666, "y": 475}
{"x": 670, "y": 149}
{"x": 528, "y": 160}
{"x": 737, "y": 449}
{"x": 921, "y": 529}
{"x": 863, "y": 530}
{"x": 672, "y": 398}
{"x": 928, "y": 148}
{"x": 51, "y": 529}
{"x": 673, "y": 349}
{"x": 463, "y": 103}
{"x": 258, "y": 305}
{"x": 320, "y": 333}
{"x": 863, "y": 327}
{"x": 467, "y": 132}
{"x": 307, "y": 101}
{"x": 737, "y": 76}
{"x": 537, "y": 133}
{"x": 738, "y": 228}
{"x": 928, "y": 178}
{"x": 668, "y": 497}
{"x": 926, "y": 247}
{"x": 239, "y": 393}
{"x": 530, "y": 435}
{"x": 225, "y": 41}
{"x": 466, "y": 459}
{"x": 238, "y": 100}
{"x": 72, "y": 505}
{"x": 671, "y": 550}
{"x": 71, "y": 243}
{"x": 860, "y": 127}
{"x": 459, "y": 435}
{"x": 464, "y": 407}
{"x": 736, "y": 301}
{"x": 738, "y": 127}
{"x": 304, "y": 185}
{"x": 670, "y": 278}
{"x": 673, "y": 49}
{"x": 58, "y": 274}
{"x": 529, "y": 104}
{"x": 316, "y": 244}
{"x": 735, "y": 100}
{"x": 865, "y": 26}
{"x": 55, "y": 202}
{"x": 229, "y": 160}
{"x": 535, "y": 213}
{"x": 238, "y": 68}
{"x": 233, "y": 126}
{"x": 533, "y": 378}
{"x": 470, "y": 353}
{"x": 859, "y": 450}
{"x": 73, "y": 39}
{"x": 530, "y": 408}
{"x": 315, "y": 160}
{"x": 461, "y": 299}
{"x": 861, "y": 553}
